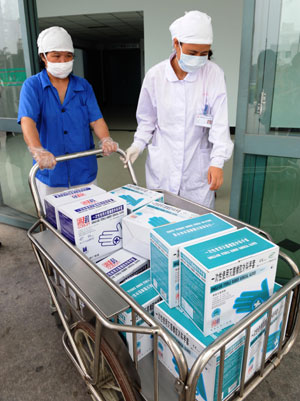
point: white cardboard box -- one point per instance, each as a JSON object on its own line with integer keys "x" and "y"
{"x": 193, "y": 342}
{"x": 225, "y": 278}
{"x": 257, "y": 336}
{"x": 141, "y": 289}
{"x": 122, "y": 265}
{"x": 137, "y": 197}
{"x": 119, "y": 266}
{"x": 94, "y": 225}
{"x": 137, "y": 225}
{"x": 165, "y": 243}
{"x": 54, "y": 201}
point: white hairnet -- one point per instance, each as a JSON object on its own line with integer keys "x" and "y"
{"x": 54, "y": 38}
{"x": 193, "y": 27}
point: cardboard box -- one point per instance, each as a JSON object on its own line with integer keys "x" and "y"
{"x": 141, "y": 289}
{"x": 257, "y": 336}
{"x": 165, "y": 243}
{"x": 137, "y": 197}
{"x": 54, "y": 201}
{"x": 122, "y": 265}
{"x": 193, "y": 342}
{"x": 94, "y": 225}
{"x": 137, "y": 225}
{"x": 225, "y": 278}
{"x": 72, "y": 294}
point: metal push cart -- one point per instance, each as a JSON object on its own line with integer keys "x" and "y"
{"x": 92, "y": 337}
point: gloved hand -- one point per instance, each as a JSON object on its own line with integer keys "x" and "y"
{"x": 45, "y": 159}
{"x": 132, "y": 153}
{"x": 250, "y": 300}
{"x": 130, "y": 199}
{"x": 273, "y": 340}
{"x": 111, "y": 237}
{"x": 108, "y": 145}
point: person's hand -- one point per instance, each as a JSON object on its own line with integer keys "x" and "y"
{"x": 132, "y": 153}
{"x": 214, "y": 178}
{"x": 44, "y": 159}
{"x": 108, "y": 145}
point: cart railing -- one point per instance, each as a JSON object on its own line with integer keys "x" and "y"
{"x": 77, "y": 155}
{"x": 290, "y": 328}
{"x": 153, "y": 327}
{"x": 187, "y": 381}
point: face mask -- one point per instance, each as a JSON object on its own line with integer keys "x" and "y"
{"x": 60, "y": 70}
{"x": 191, "y": 63}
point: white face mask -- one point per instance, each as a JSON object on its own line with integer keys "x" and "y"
{"x": 191, "y": 63}
{"x": 60, "y": 70}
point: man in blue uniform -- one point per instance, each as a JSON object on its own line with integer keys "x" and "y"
{"x": 57, "y": 112}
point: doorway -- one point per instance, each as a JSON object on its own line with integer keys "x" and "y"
{"x": 109, "y": 53}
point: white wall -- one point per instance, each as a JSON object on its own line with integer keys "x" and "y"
{"x": 158, "y": 15}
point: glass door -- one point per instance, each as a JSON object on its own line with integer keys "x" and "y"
{"x": 18, "y": 60}
{"x": 266, "y": 169}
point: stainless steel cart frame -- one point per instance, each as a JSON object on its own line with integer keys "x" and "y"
{"x": 104, "y": 300}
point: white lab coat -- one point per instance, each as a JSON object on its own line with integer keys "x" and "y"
{"x": 179, "y": 151}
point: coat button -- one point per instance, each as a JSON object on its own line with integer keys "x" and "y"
{"x": 63, "y": 110}
{"x": 65, "y": 132}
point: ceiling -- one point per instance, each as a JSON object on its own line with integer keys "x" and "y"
{"x": 108, "y": 28}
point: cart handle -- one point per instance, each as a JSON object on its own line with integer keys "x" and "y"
{"x": 97, "y": 152}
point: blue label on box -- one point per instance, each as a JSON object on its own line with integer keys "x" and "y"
{"x": 140, "y": 288}
{"x": 108, "y": 212}
{"x": 179, "y": 316}
{"x": 188, "y": 230}
{"x": 228, "y": 248}
{"x": 93, "y": 204}
{"x": 71, "y": 192}
{"x": 121, "y": 266}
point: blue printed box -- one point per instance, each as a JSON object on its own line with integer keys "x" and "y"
{"x": 165, "y": 243}
{"x": 122, "y": 265}
{"x": 54, "y": 201}
{"x": 193, "y": 342}
{"x": 140, "y": 288}
{"x": 94, "y": 225}
{"x": 225, "y": 278}
{"x": 137, "y": 197}
{"x": 257, "y": 336}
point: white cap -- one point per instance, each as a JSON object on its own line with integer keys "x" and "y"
{"x": 54, "y": 38}
{"x": 194, "y": 27}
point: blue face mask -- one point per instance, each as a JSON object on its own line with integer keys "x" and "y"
{"x": 191, "y": 63}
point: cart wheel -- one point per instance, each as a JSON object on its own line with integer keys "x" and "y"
{"x": 118, "y": 378}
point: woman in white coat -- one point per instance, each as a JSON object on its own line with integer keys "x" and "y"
{"x": 182, "y": 116}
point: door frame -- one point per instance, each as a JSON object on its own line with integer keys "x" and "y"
{"x": 246, "y": 143}
{"x": 29, "y": 31}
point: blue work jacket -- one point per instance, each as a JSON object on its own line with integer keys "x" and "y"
{"x": 63, "y": 128}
